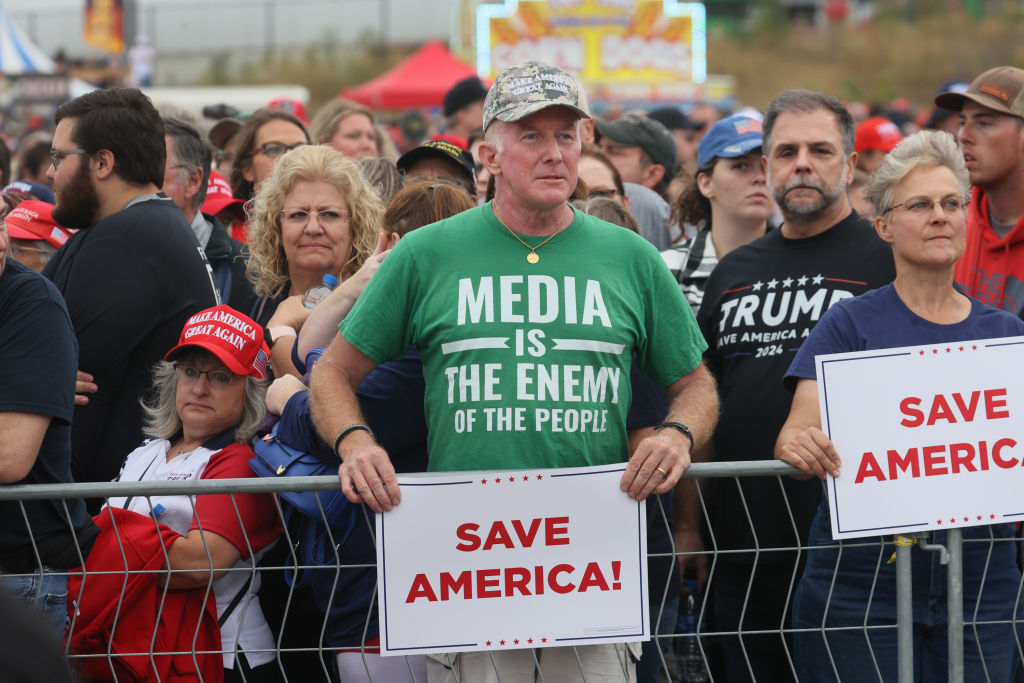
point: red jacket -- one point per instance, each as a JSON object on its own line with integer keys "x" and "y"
{"x": 992, "y": 269}
{"x": 127, "y": 613}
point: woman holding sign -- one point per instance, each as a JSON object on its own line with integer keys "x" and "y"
{"x": 919, "y": 195}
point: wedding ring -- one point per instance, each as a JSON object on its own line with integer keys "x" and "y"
{"x": 664, "y": 474}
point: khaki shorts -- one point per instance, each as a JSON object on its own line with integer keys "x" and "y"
{"x": 590, "y": 663}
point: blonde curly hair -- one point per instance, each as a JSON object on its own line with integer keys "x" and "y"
{"x": 267, "y": 267}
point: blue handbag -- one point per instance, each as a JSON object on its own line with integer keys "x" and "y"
{"x": 277, "y": 459}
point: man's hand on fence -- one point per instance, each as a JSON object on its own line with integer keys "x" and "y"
{"x": 367, "y": 476}
{"x": 656, "y": 465}
{"x": 810, "y": 451}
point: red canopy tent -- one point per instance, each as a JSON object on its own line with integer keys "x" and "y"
{"x": 421, "y": 80}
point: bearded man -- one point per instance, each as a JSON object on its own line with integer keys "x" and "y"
{"x": 132, "y": 274}
{"x": 761, "y": 302}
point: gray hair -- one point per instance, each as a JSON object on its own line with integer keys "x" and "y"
{"x": 160, "y": 414}
{"x": 806, "y": 102}
{"x": 928, "y": 149}
{"x": 383, "y": 176}
{"x": 191, "y": 151}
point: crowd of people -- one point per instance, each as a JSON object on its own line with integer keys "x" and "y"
{"x": 157, "y": 318}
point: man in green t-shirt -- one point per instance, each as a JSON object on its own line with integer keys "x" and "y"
{"x": 528, "y": 317}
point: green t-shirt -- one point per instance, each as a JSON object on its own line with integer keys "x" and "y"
{"x": 526, "y": 365}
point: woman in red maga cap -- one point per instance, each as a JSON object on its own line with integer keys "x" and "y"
{"x": 207, "y": 399}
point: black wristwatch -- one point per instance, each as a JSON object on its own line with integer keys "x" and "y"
{"x": 679, "y": 426}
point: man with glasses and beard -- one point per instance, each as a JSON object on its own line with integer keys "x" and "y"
{"x": 132, "y": 274}
{"x": 761, "y": 302}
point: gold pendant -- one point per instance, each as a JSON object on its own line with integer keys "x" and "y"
{"x": 532, "y": 257}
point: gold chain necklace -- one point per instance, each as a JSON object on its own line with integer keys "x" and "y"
{"x": 532, "y": 257}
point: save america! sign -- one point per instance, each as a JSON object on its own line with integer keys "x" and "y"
{"x": 508, "y": 560}
{"x": 930, "y": 437}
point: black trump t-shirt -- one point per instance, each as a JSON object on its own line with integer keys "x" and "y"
{"x": 761, "y": 302}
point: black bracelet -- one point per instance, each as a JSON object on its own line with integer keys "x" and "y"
{"x": 679, "y": 426}
{"x": 346, "y": 431}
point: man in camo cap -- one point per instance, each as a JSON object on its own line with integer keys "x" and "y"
{"x": 525, "y": 260}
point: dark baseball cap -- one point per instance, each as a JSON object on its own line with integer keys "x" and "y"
{"x": 637, "y": 130}
{"x": 674, "y": 119}
{"x": 441, "y": 149}
{"x": 1001, "y": 89}
{"x": 462, "y": 94}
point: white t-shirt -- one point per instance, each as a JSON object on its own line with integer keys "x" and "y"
{"x": 246, "y": 628}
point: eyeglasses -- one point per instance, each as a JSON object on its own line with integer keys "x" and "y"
{"x": 610, "y": 194}
{"x": 922, "y": 206}
{"x": 56, "y": 155}
{"x": 218, "y": 379}
{"x": 327, "y": 218}
{"x": 276, "y": 149}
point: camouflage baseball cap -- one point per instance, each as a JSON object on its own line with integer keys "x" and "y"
{"x": 527, "y": 88}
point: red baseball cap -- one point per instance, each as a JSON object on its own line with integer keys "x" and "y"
{"x": 235, "y": 338}
{"x": 291, "y": 105}
{"x": 218, "y": 195}
{"x": 32, "y": 220}
{"x": 876, "y": 133}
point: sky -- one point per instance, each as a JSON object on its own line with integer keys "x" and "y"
{"x": 191, "y": 26}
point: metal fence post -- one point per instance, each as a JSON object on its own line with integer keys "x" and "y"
{"x": 904, "y": 610}
{"x": 955, "y": 607}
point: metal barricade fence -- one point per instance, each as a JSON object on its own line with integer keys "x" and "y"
{"x": 671, "y": 655}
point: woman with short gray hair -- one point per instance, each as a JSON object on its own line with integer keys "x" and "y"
{"x": 920, "y": 193}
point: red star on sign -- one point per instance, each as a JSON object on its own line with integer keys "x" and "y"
{"x": 488, "y": 643}
{"x": 974, "y": 347}
{"x": 526, "y": 478}
{"x": 939, "y": 522}
{"x": 540, "y": 476}
{"x": 979, "y": 518}
{"x": 961, "y": 348}
{"x": 948, "y": 349}
{"x": 510, "y": 480}
{"x": 543, "y": 640}
{"x": 935, "y": 350}
{"x": 497, "y": 480}
{"x": 991, "y": 516}
{"x": 502, "y": 642}
{"x": 921, "y": 352}
{"x": 966, "y": 518}
{"x": 483, "y": 481}
{"x": 952, "y": 520}
{"x": 516, "y": 641}
{"x": 529, "y": 640}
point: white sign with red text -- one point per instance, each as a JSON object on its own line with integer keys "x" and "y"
{"x": 929, "y": 437}
{"x": 508, "y": 560}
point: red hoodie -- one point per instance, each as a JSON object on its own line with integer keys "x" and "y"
{"x": 124, "y": 614}
{"x": 992, "y": 269}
